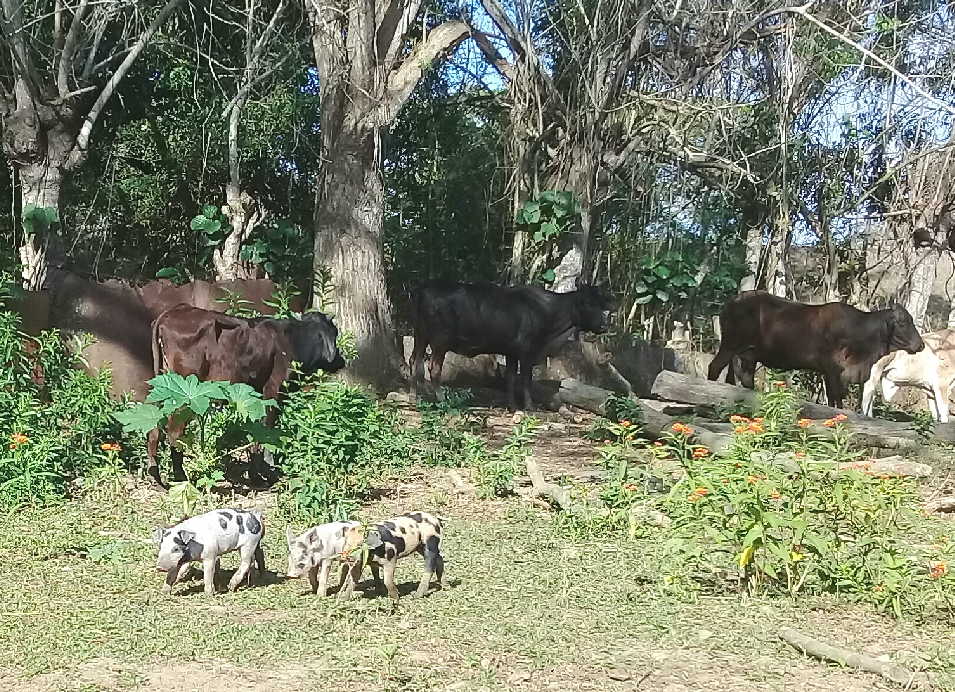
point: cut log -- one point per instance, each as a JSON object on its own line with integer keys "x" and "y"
{"x": 853, "y": 659}
{"x": 655, "y": 423}
{"x": 867, "y": 432}
{"x": 674, "y": 386}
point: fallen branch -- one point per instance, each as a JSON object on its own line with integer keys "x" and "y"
{"x": 853, "y": 659}
{"x": 556, "y": 494}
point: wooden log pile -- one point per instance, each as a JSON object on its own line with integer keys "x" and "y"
{"x": 678, "y": 398}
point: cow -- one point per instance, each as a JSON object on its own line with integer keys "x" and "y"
{"x": 522, "y": 323}
{"x": 837, "y": 340}
{"x": 932, "y": 370}
{"x": 222, "y": 348}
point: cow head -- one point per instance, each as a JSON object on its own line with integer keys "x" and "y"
{"x": 903, "y": 336}
{"x": 593, "y": 309}
{"x": 315, "y": 341}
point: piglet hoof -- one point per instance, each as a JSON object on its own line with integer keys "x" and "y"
{"x": 166, "y": 589}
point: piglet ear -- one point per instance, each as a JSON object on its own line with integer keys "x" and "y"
{"x": 312, "y": 536}
{"x": 186, "y": 536}
{"x": 373, "y": 539}
{"x": 158, "y": 535}
{"x": 289, "y": 535}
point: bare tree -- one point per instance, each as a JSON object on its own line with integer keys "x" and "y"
{"x": 66, "y": 60}
{"x": 370, "y": 58}
{"x": 259, "y": 62}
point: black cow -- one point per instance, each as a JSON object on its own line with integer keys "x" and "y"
{"x": 523, "y": 323}
{"x": 834, "y": 339}
{"x": 222, "y": 348}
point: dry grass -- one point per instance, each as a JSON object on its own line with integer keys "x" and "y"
{"x": 526, "y": 608}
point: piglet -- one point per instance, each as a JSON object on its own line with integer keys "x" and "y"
{"x": 207, "y": 536}
{"x": 314, "y": 550}
{"x": 388, "y": 541}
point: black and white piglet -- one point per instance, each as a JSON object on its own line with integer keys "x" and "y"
{"x": 390, "y": 540}
{"x": 207, "y": 536}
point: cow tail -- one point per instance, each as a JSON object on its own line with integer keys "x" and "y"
{"x": 157, "y": 345}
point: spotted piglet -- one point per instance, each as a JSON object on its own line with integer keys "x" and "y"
{"x": 388, "y": 541}
{"x": 314, "y": 550}
{"x": 207, "y": 536}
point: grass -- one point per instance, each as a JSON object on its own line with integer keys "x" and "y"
{"x": 526, "y": 607}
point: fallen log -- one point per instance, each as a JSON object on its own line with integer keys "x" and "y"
{"x": 892, "y": 467}
{"x": 853, "y": 659}
{"x": 867, "y": 432}
{"x": 655, "y": 423}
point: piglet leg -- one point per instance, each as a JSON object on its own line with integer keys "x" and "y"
{"x": 323, "y": 578}
{"x": 172, "y": 576}
{"x": 389, "y": 575}
{"x": 209, "y": 575}
{"x": 245, "y": 563}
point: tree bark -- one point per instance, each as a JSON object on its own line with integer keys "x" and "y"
{"x": 348, "y": 242}
{"x": 919, "y": 287}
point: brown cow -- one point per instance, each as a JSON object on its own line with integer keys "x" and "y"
{"x": 222, "y": 348}
{"x": 834, "y": 339}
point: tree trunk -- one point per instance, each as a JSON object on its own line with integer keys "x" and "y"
{"x": 920, "y": 288}
{"x": 348, "y": 242}
{"x": 244, "y": 214}
{"x": 40, "y": 186}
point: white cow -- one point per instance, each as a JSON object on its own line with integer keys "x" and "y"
{"x": 931, "y": 370}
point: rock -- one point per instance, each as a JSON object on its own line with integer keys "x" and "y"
{"x": 519, "y": 677}
{"x": 398, "y": 397}
{"x": 619, "y": 674}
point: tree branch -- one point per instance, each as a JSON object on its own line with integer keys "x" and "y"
{"x": 69, "y": 47}
{"x": 13, "y": 34}
{"x": 79, "y": 151}
{"x": 402, "y": 81}
{"x": 392, "y": 28}
{"x": 491, "y": 54}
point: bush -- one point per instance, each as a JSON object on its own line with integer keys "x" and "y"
{"x": 54, "y": 417}
{"x": 335, "y": 438}
{"x": 745, "y": 515}
{"x": 495, "y": 472}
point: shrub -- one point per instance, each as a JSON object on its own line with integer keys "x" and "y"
{"x": 496, "y": 471}
{"x": 750, "y": 514}
{"x": 53, "y": 416}
{"x": 335, "y": 438}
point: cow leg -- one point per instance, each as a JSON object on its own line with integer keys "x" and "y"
{"x": 261, "y": 471}
{"x": 416, "y": 364}
{"x": 510, "y": 381}
{"x": 174, "y": 430}
{"x": 526, "y": 372}
{"x": 747, "y": 371}
{"x": 437, "y": 362}
{"x": 152, "y": 450}
{"x": 723, "y": 358}
{"x": 834, "y": 389}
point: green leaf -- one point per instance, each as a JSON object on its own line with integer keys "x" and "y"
{"x": 662, "y": 271}
{"x": 538, "y": 236}
{"x": 548, "y": 275}
{"x": 643, "y": 300}
{"x": 549, "y": 228}
{"x": 139, "y": 418}
{"x": 210, "y": 211}
{"x": 174, "y": 391}
{"x": 662, "y": 296}
{"x": 167, "y": 273}
{"x": 532, "y": 213}
{"x": 755, "y": 533}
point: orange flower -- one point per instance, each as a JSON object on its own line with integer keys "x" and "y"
{"x": 697, "y": 494}
{"x": 799, "y": 455}
{"x": 775, "y": 495}
{"x": 937, "y": 570}
{"x": 779, "y": 383}
{"x": 17, "y": 439}
{"x": 701, "y": 453}
{"x": 758, "y": 419}
{"x": 841, "y": 417}
{"x": 111, "y": 447}
{"x": 830, "y": 423}
{"x": 658, "y": 443}
{"x": 630, "y": 487}
{"x": 804, "y": 423}
{"x": 740, "y": 429}
{"x": 756, "y": 428}
{"x": 624, "y": 424}
{"x": 702, "y": 491}
{"x": 752, "y": 479}
{"x": 682, "y": 429}
{"x": 739, "y": 419}
{"x": 724, "y": 481}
